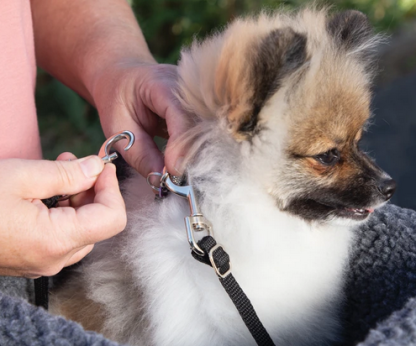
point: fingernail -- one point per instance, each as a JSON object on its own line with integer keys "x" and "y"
{"x": 180, "y": 166}
{"x": 91, "y": 166}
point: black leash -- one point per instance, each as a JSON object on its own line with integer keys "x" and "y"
{"x": 209, "y": 252}
{"x": 42, "y": 283}
{"x": 216, "y": 257}
{"x": 42, "y": 292}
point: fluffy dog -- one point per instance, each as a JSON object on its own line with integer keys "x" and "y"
{"x": 278, "y": 103}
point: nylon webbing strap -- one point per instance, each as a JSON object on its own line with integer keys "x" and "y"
{"x": 42, "y": 283}
{"x": 42, "y": 292}
{"x": 233, "y": 289}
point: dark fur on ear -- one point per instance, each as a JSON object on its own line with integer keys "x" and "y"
{"x": 350, "y": 28}
{"x": 280, "y": 53}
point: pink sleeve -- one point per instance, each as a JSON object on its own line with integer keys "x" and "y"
{"x": 19, "y": 135}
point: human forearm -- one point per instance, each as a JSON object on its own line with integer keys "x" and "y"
{"x": 97, "y": 49}
{"x": 76, "y": 40}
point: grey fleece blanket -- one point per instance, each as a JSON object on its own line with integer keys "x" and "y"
{"x": 380, "y": 305}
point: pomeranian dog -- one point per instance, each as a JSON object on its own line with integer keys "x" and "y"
{"x": 279, "y": 103}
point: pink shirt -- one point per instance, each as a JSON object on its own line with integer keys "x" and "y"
{"x": 19, "y": 134}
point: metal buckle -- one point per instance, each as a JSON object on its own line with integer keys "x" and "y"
{"x": 211, "y": 259}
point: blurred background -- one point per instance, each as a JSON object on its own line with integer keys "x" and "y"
{"x": 68, "y": 123}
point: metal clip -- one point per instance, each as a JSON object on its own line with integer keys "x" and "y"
{"x": 160, "y": 191}
{"x": 196, "y": 222}
{"x": 105, "y": 154}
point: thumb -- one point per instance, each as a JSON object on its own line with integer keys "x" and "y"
{"x": 43, "y": 179}
{"x": 174, "y": 158}
{"x": 175, "y": 149}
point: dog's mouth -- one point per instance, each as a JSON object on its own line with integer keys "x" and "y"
{"x": 353, "y": 213}
{"x": 358, "y": 214}
{"x": 312, "y": 209}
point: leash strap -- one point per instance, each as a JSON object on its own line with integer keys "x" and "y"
{"x": 42, "y": 292}
{"x": 216, "y": 257}
{"x": 42, "y": 283}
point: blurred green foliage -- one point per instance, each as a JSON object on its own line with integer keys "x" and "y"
{"x": 169, "y": 24}
{"x": 68, "y": 123}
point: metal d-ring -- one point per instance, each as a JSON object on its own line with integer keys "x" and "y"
{"x": 105, "y": 154}
{"x": 155, "y": 188}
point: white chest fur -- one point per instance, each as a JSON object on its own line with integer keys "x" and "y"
{"x": 290, "y": 270}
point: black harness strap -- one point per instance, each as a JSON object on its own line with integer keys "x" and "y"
{"x": 42, "y": 283}
{"x": 221, "y": 263}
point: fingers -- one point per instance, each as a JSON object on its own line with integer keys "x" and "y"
{"x": 43, "y": 179}
{"x": 150, "y": 108}
{"x": 81, "y": 198}
{"x": 164, "y": 102}
{"x": 100, "y": 211}
{"x": 78, "y": 255}
{"x": 38, "y": 240}
{"x": 175, "y": 153}
{"x": 160, "y": 99}
{"x": 144, "y": 155}
{"x": 177, "y": 126}
{"x": 66, "y": 156}
{"x": 72, "y": 232}
{"x": 107, "y": 215}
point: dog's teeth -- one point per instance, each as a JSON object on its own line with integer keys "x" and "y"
{"x": 360, "y": 211}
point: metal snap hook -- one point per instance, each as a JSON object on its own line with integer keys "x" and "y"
{"x": 105, "y": 154}
{"x": 160, "y": 190}
{"x": 194, "y": 223}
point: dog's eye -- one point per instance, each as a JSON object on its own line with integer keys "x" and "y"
{"x": 329, "y": 158}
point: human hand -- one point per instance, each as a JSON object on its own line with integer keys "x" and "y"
{"x": 99, "y": 51}
{"x": 139, "y": 97}
{"x": 35, "y": 240}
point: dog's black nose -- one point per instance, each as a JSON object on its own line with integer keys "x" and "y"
{"x": 387, "y": 188}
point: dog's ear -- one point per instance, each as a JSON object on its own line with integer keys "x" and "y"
{"x": 274, "y": 57}
{"x": 350, "y": 29}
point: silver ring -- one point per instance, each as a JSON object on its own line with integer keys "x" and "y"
{"x": 149, "y": 176}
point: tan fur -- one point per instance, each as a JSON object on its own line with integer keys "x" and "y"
{"x": 315, "y": 168}
{"x": 73, "y": 303}
{"x": 227, "y": 61}
{"x": 333, "y": 109}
